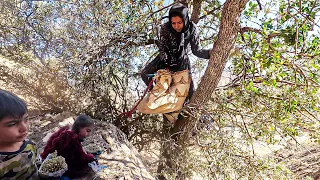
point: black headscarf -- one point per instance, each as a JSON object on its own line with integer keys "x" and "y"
{"x": 182, "y": 11}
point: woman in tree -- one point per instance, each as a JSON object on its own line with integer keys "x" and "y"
{"x": 175, "y": 36}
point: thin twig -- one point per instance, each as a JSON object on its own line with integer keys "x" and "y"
{"x": 258, "y": 1}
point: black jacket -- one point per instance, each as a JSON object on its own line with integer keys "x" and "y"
{"x": 173, "y": 45}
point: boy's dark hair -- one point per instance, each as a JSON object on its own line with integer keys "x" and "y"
{"x": 11, "y": 105}
{"x": 81, "y": 122}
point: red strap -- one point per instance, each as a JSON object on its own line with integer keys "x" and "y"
{"x": 129, "y": 113}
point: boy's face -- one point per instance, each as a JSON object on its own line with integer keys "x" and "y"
{"x": 14, "y": 129}
{"x": 85, "y": 132}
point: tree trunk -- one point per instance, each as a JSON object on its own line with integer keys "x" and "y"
{"x": 184, "y": 2}
{"x": 227, "y": 35}
{"x": 196, "y": 8}
{"x": 229, "y": 28}
{"x": 166, "y": 149}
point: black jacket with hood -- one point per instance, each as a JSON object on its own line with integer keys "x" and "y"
{"x": 173, "y": 44}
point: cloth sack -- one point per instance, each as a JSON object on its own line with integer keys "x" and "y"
{"x": 168, "y": 94}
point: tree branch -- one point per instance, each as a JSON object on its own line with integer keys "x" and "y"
{"x": 227, "y": 35}
{"x": 196, "y": 11}
{"x": 226, "y": 38}
{"x": 210, "y": 12}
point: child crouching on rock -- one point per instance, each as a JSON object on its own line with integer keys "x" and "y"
{"x": 67, "y": 143}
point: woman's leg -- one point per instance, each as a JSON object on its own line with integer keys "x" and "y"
{"x": 150, "y": 68}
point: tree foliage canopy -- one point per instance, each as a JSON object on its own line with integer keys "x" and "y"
{"x": 85, "y": 56}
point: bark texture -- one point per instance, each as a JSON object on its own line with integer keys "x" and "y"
{"x": 229, "y": 28}
{"x": 184, "y": 2}
{"x": 227, "y": 35}
{"x": 196, "y": 8}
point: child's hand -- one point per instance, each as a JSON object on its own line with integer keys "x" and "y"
{"x": 95, "y": 158}
{"x": 97, "y": 153}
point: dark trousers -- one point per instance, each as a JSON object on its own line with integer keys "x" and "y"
{"x": 152, "y": 68}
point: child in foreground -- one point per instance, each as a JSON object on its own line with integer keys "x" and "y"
{"x": 17, "y": 154}
{"x": 67, "y": 143}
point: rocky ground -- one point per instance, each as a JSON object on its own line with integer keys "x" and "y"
{"x": 123, "y": 161}
{"x": 303, "y": 161}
